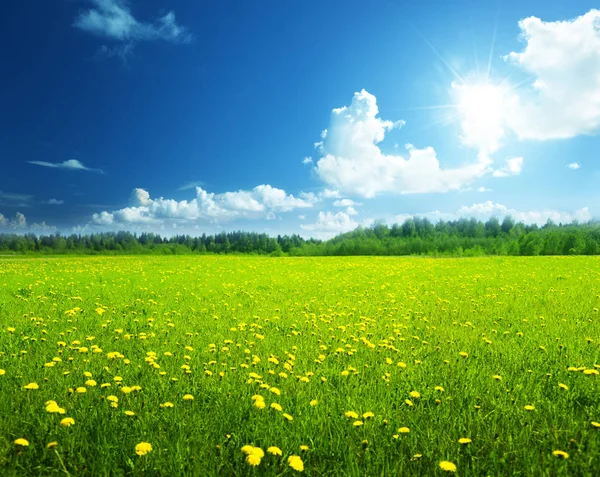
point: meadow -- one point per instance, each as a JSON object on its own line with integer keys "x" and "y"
{"x": 216, "y": 365}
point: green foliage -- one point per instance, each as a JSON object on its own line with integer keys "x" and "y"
{"x": 416, "y": 236}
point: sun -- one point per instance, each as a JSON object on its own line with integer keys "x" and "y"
{"x": 482, "y": 107}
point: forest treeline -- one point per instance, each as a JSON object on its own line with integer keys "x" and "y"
{"x": 416, "y": 236}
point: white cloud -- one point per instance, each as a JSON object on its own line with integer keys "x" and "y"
{"x": 19, "y": 225}
{"x": 345, "y": 203}
{"x": 561, "y": 98}
{"x": 574, "y": 166}
{"x": 113, "y": 19}
{"x": 485, "y": 210}
{"x": 55, "y": 202}
{"x": 351, "y": 211}
{"x": 330, "y": 194}
{"x": 307, "y": 160}
{"x": 513, "y": 167}
{"x": 488, "y": 209}
{"x": 329, "y": 224}
{"x": 483, "y": 189}
{"x": 353, "y": 163}
{"x": 261, "y": 202}
{"x": 72, "y": 164}
{"x": 563, "y": 57}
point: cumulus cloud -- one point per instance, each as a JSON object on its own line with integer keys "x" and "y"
{"x": 19, "y": 225}
{"x": 563, "y": 57}
{"x": 330, "y": 194}
{"x": 72, "y": 164}
{"x": 485, "y": 210}
{"x": 264, "y": 201}
{"x": 329, "y": 224}
{"x": 513, "y": 167}
{"x": 353, "y": 163}
{"x": 307, "y": 160}
{"x": 345, "y": 203}
{"x": 561, "y": 98}
{"x": 113, "y": 19}
{"x": 574, "y": 166}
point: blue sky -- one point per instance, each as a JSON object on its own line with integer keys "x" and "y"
{"x": 191, "y": 117}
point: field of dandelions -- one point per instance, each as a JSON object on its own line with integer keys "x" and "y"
{"x": 287, "y": 366}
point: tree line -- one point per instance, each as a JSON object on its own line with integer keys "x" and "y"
{"x": 416, "y": 236}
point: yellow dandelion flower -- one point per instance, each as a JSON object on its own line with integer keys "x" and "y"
{"x": 21, "y": 442}
{"x": 462, "y": 354}
{"x": 563, "y": 386}
{"x": 129, "y": 413}
{"x": 409, "y": 402}
{"x": 259, "y": 404}
{"x": 464, "y": 440}
{"x": 126, "y": 389}
{"x": 2, "y": 372}
{"x": 596, "y": 424}
{"x": 167, "y": 404}
{"x": 81, "y": 390}
{"x": 529, "y": 407}
{"x": 295, "y": 462}
{"x": 253, "y": 460}
{"x": 288, "y": 417}
{"x": 314, "y": 402}
{"x": 31, "y": 386}
{"x": 357, "y": 423}
{"x": 447, "y": 466}
{"x": 51, "y": 445}
{"x": 276, "y": 406}
{"x": 143, "y": 448}
{"x": 112, "y": 398}
{"x": 439, "y": 389}
{"x": 404, "y": 430}
{"x": 497, "y": 377}
{"x": 67, "y": 421}
{"x": 414, "y": 394}
{"x": 274, "y": 451}
{"x": 368, "y": 415}
{"x": 560, "y": 454}
{"x": 188, "y": 397}
{"x": 90, "y": 383}
{"x": 304, "y": 448}
{"x": 352, "y": 414}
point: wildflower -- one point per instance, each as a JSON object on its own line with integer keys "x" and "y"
{"x": 31, "y": 386}
{"x": 22, "y": 442}
{"x": 126, "y": 389}
{"x": 447, "y": 466}
{"x": 188, "y": 397}
{"x": 596, "y": 424}
{"x": 51, "y": 445}
{"x": 497, "y": 377}
{"x": 304, "y": 448}
{"x": 112, "y": 398}
{"x": 561, "y": 454}
{"x": 464, "y": 440}
{"x": 357, "y": 423}
{"x": 2, "y": 372}
{"x": 404, "y": 430}
{"x": 563, "y": 386}
{"x": 52, "y": 407}
{"x": 368, "y": 415}
{"x": 253, "y": 460}
{"x": 276, "y": 406}
{"x": 529, "y": 408}
{"x": 274, "y": 451}
{"x": 167, "y": 404}
{"x": 295, "y": 462}
{"x": 259, "y": 404}
{"x": 414, "y": 394}
{"x": 90, "y": 383}
{"x": 462, "y": 354}
{"x": 409, "y": 402}
{"x": 352, "y": 414}
{"x": 314, "y": 402}
{"x": 129, "y": 413}
{"x": 81, "y": 390}
{"x": 67, "y": 421}
{"x": 288, "y": 417}
{"x": 439, "y": 389}
{"x": 143, "y": 448}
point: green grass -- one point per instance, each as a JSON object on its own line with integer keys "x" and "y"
{"x": 525, "y": 319}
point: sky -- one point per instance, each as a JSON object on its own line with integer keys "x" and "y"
{"x": 309, "y": 117}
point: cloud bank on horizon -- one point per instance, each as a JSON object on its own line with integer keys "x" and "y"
{"x": 559, "y": 100}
